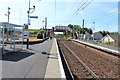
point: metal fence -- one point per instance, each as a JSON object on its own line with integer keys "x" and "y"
{"x": 11, "y": 37}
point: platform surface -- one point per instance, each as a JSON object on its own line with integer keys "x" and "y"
{"x": 54, "y": 67}
{"x": 102, "y": 47}
{"x": 39, "y": 61}
{"x": 30, "y": 63}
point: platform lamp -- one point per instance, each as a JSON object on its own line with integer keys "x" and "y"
{"x": 30, "y": 10}
{"x": 8, "y": 13}
{"x": 93, "y": 30}
{"x": 43, "y": 24}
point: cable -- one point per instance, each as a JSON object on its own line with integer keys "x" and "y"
{"x": 86, "y": 6}
{"x": 77, "y": 10}
{"x": 55, "y": 12}
{"x": 75, "y": 3}
{"x": 111, "y": 14}
{"x": 80, "y": 7}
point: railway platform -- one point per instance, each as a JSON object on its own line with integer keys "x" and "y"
{"x": 41, "y": 61}
{"x": 54, "y": 67}
{"x": 101, "y": 47}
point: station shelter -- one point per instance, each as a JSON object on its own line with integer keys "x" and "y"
{"x": 11, "y": 37}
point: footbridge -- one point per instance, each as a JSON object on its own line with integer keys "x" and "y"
{"x": 61, "y": 29}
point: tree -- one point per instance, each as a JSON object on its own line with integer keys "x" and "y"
{"x": 113, "y": 32}
{"x": 90, "y": 31}
{"x": 104, "y": 32}
{"x": 40, "y": 34}
{"x": 70, "y": 26}
{"x": 79, "y": 29}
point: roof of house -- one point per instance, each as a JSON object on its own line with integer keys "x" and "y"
{"x": 97, "y": 33}
{"x": 115, "y": 36}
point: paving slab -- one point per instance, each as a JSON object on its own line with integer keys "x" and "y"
{"x": 54, "y": 67}
{"x": 30, "y": 63}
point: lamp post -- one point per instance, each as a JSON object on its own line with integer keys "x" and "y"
{"x": 8, "y": 13}
{"x": 43, "y": 24}
{"x": 46, "y": 24}
{"x": 29, "y": 11}
{"x": 83, "y": 30}
{"x": 93, "y": 30}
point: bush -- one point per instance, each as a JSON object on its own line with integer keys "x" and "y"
{"x": 68, "y": 38}
{"x": 33, "y": 35}
{"x": 109, "y": 43}
{"x": 40, "y": 34}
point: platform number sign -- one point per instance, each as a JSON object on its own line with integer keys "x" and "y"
{"x": 25, "y": 26}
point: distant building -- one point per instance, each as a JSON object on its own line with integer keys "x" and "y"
{"x": 86, "y": 36}
{"x": 112, "y": 38}
{"x": 97, "y": 36}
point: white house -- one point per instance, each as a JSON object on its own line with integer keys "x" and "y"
{"x": 87, "y": 36}
{"x": 111, "y": 38}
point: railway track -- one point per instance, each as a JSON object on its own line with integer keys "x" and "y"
{"x": 85, "y": 63}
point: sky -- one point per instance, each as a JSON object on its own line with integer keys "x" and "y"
{"x": 63, "y": 12}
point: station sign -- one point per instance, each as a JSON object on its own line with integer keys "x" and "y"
{"x": 25, "y": 26}
{"x": 33, "y": 17}
{"x": 29, "y": 21}
{"x": 26, "y": 34}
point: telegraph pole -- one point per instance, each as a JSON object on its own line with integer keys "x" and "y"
{"x": 43, "y": 25}
{"x": 93, "y": 30}
{"x": 83, "y": 29}
{"x": 46, "y": 26}
{"x": 46, "y": 23}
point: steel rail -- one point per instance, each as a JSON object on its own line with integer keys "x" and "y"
{"x": 82, "y": 62}
{"x": 66, "y": 63}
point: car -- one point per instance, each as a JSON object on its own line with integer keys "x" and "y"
{"x": 97, "y": 41}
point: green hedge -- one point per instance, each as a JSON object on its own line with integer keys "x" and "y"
{"x": 39, "y": 35}
{"x": 68, "y": 38}
{"x": 109, "y": 43}
{"x": 33, "y": 35}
